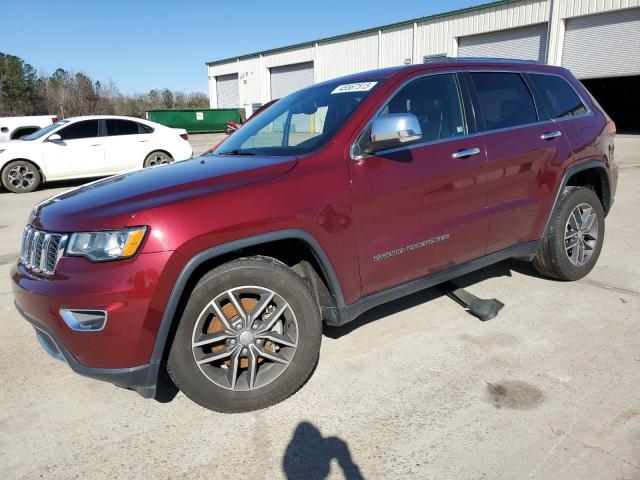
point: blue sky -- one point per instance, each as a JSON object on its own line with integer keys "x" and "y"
{"x": 144, "y": 44}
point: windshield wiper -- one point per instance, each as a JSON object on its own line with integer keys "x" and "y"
{"x": 237, "y": 152}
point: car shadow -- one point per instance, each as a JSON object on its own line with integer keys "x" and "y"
{"x": 309, "y": 455}
{"x": 502, "y": 269}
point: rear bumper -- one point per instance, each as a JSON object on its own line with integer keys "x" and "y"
{"x": 141, "y": 379}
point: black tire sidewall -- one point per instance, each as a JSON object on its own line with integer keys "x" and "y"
{"x": 287, "y": 284}
{"x": 560, "y": 262}
{"x": 31, "y": 166}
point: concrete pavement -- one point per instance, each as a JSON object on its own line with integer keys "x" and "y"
{"x": 417, "y": 388}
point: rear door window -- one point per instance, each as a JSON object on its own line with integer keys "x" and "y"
{"x": 82, "y": 129}
{"x": 117, "y": 127}
{"x": 558, "y": 96}
{"x": 435, "y": 100}
{"x": 505, "y": 100}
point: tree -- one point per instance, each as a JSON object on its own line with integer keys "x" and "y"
{"x": 17, "y": 86}
{"x": 167, "y": 99}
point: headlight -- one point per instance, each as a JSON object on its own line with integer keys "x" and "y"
{"x": 106, "y": 245}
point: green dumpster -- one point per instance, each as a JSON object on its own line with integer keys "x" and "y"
{"x": 196, "y": 121}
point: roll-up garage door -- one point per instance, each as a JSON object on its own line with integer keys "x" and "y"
{"x": 289, "y": 78}
{"x": 603, "y": 45}
{"x": 228, "y": 91}
{"x": 527, "y": 43}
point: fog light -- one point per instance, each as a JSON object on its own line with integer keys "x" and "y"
{"x": 84, "y": 320}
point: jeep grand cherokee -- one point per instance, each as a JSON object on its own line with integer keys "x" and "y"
{"x": 339, "y": 197}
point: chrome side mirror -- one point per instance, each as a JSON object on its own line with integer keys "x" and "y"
{"x": 394, "y": 130}
{"x": 54, "y": 138}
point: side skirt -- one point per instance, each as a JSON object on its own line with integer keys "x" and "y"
{"x": 340, "y": 316}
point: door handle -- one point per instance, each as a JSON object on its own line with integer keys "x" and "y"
{"x": 143, "y": 141}
{"x": 469, "y": 152}
{"x": 96, "y": 145}
{"x": 550, "y": 135}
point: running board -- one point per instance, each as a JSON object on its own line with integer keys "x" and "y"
{"x": 484, "y": 309}
{"x": 345, "y": 314}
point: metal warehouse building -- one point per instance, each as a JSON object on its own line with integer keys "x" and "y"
{"x": 599, "y": 40}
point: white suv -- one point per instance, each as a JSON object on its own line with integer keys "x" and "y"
{"x": 90, "y": 146}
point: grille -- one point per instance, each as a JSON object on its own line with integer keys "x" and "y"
{"x": 41, "y": 250}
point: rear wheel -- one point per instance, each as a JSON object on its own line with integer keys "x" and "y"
{"x": 576, "y": 234}
{"x": 249, "y": 336}
{"x": 157, "y": 158}
{"x": 20, "y": 176}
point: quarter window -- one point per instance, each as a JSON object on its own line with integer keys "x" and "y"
{"x": 82, "y": 129}
{"x": 560, "y": 99}
{"x": 505, "y": 100}
{"x": 435, "y": 100}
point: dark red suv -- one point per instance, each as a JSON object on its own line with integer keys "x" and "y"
{"x": 338, "y": 198}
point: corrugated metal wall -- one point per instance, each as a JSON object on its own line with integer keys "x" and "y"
{"x": 395, "y": 45}
{"x": 576, "y": 8}
{"x": 346, "y": 56}
{"x": 440, "y": 35}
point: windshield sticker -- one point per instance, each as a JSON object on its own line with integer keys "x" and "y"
{"x": 354, "y": 87}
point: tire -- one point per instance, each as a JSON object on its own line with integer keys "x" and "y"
{"x": 556, "y": 259}
{"x": 297, "y": 319}
{"x": 21, "y": 176}
{"x": 156, "y": 158}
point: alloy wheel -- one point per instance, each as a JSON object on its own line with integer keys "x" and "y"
{"x": 159, "y": 158}
{"x": 581, "y": 234}
{"x": 21, "y": 177}
{"x": 245, "y": 338}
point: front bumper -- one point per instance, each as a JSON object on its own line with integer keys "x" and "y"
{"x": 132, "y": 294}
{"x": 141, "y": 379}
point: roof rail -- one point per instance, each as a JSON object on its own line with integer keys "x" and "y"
{"x": 477, "y": 59}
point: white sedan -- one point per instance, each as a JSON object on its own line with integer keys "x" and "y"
{"x": 91, "y": 146}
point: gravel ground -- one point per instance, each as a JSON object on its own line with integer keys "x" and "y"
{"x": 549, "y": 389}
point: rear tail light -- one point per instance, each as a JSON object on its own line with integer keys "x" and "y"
{"x": 54, "y": 119}
{"x": 184, "y": 136}
{"x": 612, "y": 127}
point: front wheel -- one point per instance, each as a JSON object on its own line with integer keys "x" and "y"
{"x": 576, "y": 234}
{"x": 20, "y": 176}
{"x": 249, "y": 336}
{"x": 157, "y": 158}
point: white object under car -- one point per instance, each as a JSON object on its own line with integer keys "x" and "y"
{"x": 90, "y": 146}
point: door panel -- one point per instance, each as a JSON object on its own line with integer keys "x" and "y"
{"x": 125, "y": 146}
{"x": 79, "y": 153}
{"x": 419, "y": 209}
{"x": 523, "y": 170}
{"x": 524, "y": 157}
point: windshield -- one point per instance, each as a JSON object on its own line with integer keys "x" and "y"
{"x": 301, "y": 122}
{"x": 43, "y": 131}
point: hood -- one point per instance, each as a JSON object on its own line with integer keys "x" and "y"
{"x": 112, "y": 202}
